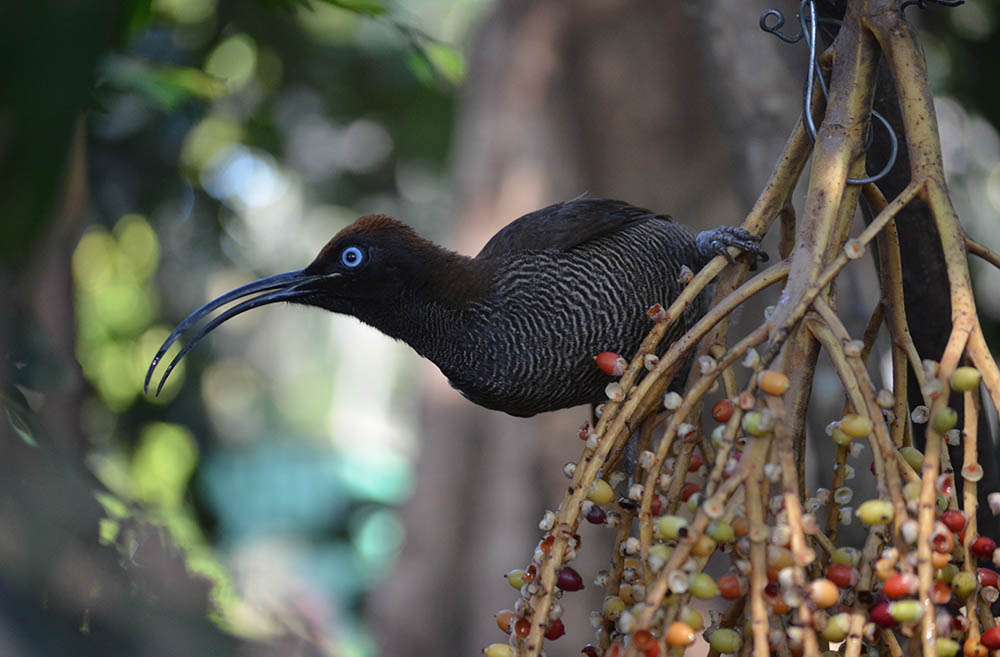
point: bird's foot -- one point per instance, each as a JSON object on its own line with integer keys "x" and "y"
{"x": 718, "y": 240}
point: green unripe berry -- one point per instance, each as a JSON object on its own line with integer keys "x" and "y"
{"x": 856, "y": 426}
{"x": 847, "y": 556}
{"x": 837, "y": 627}
{"x": 671, "y": 527}
{"x": 911, "y": 490}
{"x": 703, "y": 587}
{"x": 913, "y": 456}
{"x": 720, "y": 531}
{"x": 660, "y": 551}
{"x": 947, "y": 647}
{"x": 946, "y": 574}
{"x": 945, "y": 419}
{"x": 515, "y": 578}
{"x": 498, "y": 650}
{"x": 875, "y": 512}
{"x": 906, "y": 611}
{"x": 964, "y": 379}
{"x": 725, "y": 640}
{"x": 692, "y": 617}
{"x": 755, "y": 424}
{"x": 963, "y": 584}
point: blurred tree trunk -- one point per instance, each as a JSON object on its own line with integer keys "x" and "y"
{"x": 608, "y": 99}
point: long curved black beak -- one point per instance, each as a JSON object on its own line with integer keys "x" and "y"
{"x": 281, "y": 287}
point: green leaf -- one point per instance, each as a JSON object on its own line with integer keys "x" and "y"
{"x": 366, "y": 7}
{"x": 167, "y": 86}
{"x": 447, "y": 60}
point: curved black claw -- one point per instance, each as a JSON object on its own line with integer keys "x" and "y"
{"x": 718, "y": 240}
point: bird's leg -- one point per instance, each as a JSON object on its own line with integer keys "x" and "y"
{"x": 717, "y": 240}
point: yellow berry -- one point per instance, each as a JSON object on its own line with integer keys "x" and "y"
{"x": 875, "y": 512}
{"x": 601, "y": 493}
{"x": 856, "y": 426}
{"x": 515, "y": 578}
{"x": 498, "y": 650}
{"x": 964, "y": 379}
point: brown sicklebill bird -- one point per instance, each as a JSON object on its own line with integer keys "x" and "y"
{"x": 515, "y": 328}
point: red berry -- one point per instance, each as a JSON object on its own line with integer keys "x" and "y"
{"x": 940, "y": 592}
{"x": 646, "y": 642}
{"x": 954, "y": 520}
{"x": 842, "y": 575}
{"x": 983, "y": 547}
{"x": 690, "y": 488}
{"x": 988, "y": 577}
{"x": 722, "y": 410}
{"x": 658, "y": 505}
{"x": 522, "y": 627}
{"x": 590, "y": 650}
{"x": 900, "y": 585}
{"x": 555, "y": 630}
{"x": 611, "y": 363}
{"x": 596, "y": 515}
{"x": 569, "y": 580}
{"x": 879, "y": 614}
{"x": 991, "y": 638}
{"x": 697, "y": 460}
{"x": 730, "y": 587}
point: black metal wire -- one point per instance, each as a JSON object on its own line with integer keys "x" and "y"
{"x": 807, "y": 31}
{"x": 923, "y": 3}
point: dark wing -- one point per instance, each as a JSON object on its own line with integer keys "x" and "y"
{"x": 562, "y": 226}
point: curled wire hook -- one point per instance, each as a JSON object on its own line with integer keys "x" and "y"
{"x": 807, "y": 30}
{"x": 775, "y": 29}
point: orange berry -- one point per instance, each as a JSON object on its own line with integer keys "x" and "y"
{"x": 679, "y": 634}
{"x": 974, "y": 648}
{"x": 773, "y": 382}
{"x": 824, "y": 593}
{"x": 503, "y": 619}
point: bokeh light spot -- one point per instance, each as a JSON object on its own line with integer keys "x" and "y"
{"x": 233, "y": 61}
{"x": 163, "y": 463}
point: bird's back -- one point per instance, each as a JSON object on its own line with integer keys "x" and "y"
{"x": 529, "y": 343}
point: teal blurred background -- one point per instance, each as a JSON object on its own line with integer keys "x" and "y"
{"x": 154, "y": 154}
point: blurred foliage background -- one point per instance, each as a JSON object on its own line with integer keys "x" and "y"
{"x": 156, "y": 153}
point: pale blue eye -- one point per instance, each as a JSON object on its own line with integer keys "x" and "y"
{"x": 352, "y": 256}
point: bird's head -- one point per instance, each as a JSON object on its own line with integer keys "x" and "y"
{"x": 361, "y": 271}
